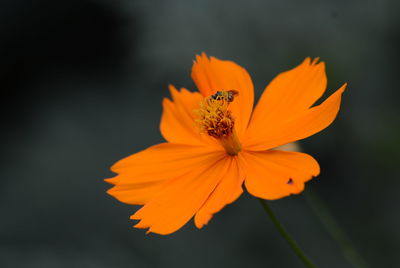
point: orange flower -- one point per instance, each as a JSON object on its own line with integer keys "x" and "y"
{"x": 215, "y": 142}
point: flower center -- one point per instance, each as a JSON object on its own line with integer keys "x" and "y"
{"x": 216, "y": 120}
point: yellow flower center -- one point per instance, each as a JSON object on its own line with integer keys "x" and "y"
{"x": 216, "y": 120}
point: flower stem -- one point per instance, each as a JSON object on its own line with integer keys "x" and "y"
{"x": 334, "y": 230}
{"x": 307, "y": 262}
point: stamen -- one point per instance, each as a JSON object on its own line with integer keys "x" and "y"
{"x": 216, "y": 120}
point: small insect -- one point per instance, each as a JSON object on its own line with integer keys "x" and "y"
{"x": 225, "y": 95}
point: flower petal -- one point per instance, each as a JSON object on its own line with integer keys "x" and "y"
{"x": 212, "y": 75}
{"x": 290, "y": 93}
{"x": 144, "y": 174}
{"x": 276, "y": 174}
{"x": 177, "y": 121}
{"x": 136, "y": 193}
{"x": 226, "y": 192}
{"x": 176, "y": 204}
{"x": 303, "y": 125}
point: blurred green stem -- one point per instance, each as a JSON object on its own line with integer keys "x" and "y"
{"x": 307, "y": 262}
{"x": 334, "y": 230}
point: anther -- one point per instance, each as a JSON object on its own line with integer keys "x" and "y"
{"x": 217, "y": 121}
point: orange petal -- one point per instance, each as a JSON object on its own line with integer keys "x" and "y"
{"x": 276, "y": 174}
{"x": 144, "y": 174}
{"x": 212, "y": 75}
{"x": 226, "y": 192}
{"x": 177, "y": 121}
{"x": 136, "y": 193}
{"x": 176, "y": 204}
{"x": 300, "y": 126}
{"x": 289, "y": 94}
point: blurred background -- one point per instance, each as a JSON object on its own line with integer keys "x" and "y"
{"x": 82, "y": 84}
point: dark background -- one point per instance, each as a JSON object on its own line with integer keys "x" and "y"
{"x": 82, "y": 84}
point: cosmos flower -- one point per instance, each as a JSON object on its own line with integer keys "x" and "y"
{"x": 216, "y": 143}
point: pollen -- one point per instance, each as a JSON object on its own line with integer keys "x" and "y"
{"x": 215, "y": 119}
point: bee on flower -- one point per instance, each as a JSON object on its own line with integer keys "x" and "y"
{"x": 216, "y": 142}
{"x": 225, "y": 95}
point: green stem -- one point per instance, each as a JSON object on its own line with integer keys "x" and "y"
{"x": 334, "y": 230}
{"x": 307, "y": 262}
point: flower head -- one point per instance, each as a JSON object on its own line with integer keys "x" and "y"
{"x": 215, "y": 142}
